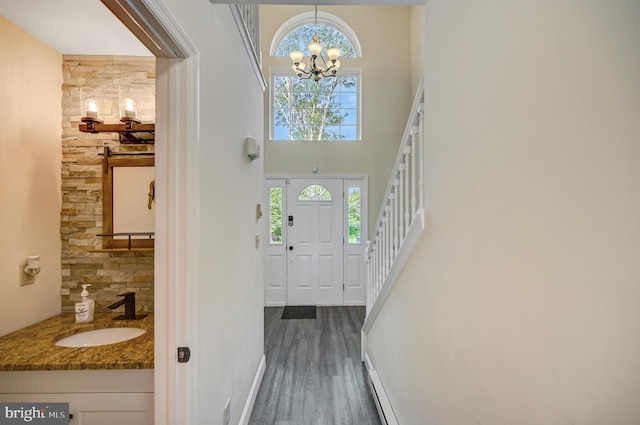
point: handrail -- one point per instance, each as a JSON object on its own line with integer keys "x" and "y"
{"x": 400, "y": 220}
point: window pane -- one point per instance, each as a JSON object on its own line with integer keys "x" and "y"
{"x": 315, "y": 192}
{"x": 355, "y": 211}
{"x": 314, "y": 110}
{"x": 301, "y": 36}
{"x": 348, "y": 100}
{"x": 350, "y": 116}
{"x": 350, "y": 132}
{"x": 275, "y": 215}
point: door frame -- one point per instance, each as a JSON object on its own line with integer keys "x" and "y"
{"x": 176, "y": 144}
{"x": 276, "y": 295}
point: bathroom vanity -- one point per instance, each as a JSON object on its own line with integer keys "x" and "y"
{"x": 104, "y": 384}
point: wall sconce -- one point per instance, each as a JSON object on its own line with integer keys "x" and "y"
{"x": 252, "y": 148}
{"x": 130, "y": 130}
{"x": 33, "y": 265}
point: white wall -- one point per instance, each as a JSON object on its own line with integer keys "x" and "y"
{"x": 227, "y": 344}
{"x": 386, "y": 98}
{"x": 417, "y": 45}
{"x": 521, "y": 304}
{"x": 30, "y": 194}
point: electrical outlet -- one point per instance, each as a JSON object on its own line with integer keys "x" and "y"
{"x": 226, "y": 417}
{"x": 25, "y": 279}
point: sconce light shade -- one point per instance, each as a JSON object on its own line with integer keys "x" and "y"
{"x": 252, "y": 148}
{"x": 128, "y": 110}
{"x": 128, "y": 107}
{"x": 89, "y": 105}
{"x": 33, "y": 265}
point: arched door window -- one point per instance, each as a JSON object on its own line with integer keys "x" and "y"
{"x": 315, "y": 192}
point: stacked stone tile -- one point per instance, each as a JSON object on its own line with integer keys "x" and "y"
{"x": 109, "y": 273}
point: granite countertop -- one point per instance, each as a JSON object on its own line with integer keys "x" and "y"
{"x": 32, "y": 348}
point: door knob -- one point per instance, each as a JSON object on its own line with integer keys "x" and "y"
{"x": 290, "y": 247}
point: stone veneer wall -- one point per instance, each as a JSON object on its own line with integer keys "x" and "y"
{"x": 109, "y": 273}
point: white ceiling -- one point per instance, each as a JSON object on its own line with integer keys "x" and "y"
{"x": 74, "y": 27}
{"x": 87, "y": 27}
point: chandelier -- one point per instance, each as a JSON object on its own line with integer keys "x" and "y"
{"x": 327, "y": 68}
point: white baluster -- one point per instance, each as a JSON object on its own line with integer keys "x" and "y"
{"x": 414, "y": 136}
{"x": 407, "y": 188}
{"x": 421, "y": 158}
{"x": 396, "y": 218}
{"x": 379, "y": 255}
{"x": 392, "y": 226}
{"x": 401, "y": 210}
{"x": 367, "y": 274}
{"x": 387, "y": 210}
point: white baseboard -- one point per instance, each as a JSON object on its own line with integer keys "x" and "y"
{"x": 253, "y": 393}
{"x": 385, "y": 411}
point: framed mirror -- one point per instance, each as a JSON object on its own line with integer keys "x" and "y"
{"x": 128, "y": 202}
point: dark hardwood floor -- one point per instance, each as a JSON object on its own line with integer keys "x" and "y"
{"x": 314, "y": 375}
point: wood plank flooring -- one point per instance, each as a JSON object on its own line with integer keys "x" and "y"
{"x": 314, "y": 375}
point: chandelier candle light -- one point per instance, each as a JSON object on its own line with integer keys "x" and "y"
{"x": 329, "y": 67}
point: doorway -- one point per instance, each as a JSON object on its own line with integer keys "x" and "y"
{"x": 315, "y": 253}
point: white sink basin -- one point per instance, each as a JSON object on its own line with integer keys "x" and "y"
{"x": 98, "y": 337}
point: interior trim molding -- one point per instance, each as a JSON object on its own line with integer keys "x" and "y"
{"x": 152, "y": 23}
{"x": 253, "y": 393}
{"x": 385, "y": 410}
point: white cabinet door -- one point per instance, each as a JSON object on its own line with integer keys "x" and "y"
{"x": 97, "y": 408}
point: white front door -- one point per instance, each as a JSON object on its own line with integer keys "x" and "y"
{"x": 315, "y": 242}
{"x": 327, "y": 234}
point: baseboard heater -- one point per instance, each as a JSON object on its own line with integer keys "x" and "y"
{"x": 387, "y": 416}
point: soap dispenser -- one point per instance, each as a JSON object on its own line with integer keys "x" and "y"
{"x": 84, "y": 309}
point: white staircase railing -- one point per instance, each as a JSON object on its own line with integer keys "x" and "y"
{"x": 247, "y": 17}
{"x": 400, "y": 221}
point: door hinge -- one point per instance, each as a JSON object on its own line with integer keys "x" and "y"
{"x": 184, "y": 354}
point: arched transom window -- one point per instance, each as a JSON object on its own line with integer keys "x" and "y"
{"x": 315, "y": 192}
{"x": 303, "y": 109}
